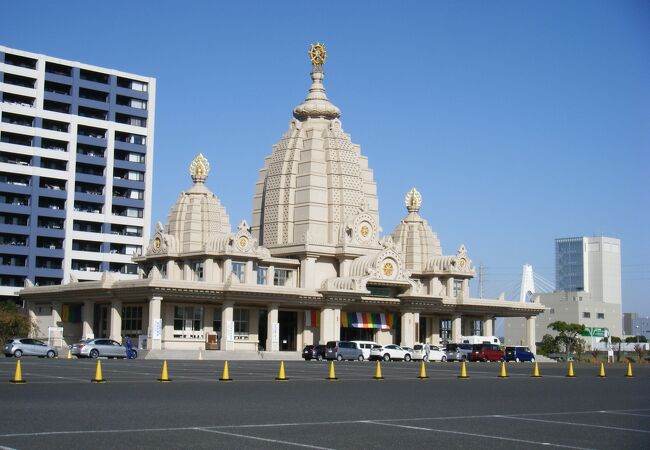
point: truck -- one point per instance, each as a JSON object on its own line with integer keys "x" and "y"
{"x": 479, "y": 340}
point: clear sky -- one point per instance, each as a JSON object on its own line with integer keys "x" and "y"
{"x": 518, "y": 121}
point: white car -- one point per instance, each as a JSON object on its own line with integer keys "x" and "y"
{"x": 434, "y": 353}
{"x": 388, "y": 352}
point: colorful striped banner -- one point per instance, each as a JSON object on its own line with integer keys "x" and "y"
{"x": 382, "y": 321}
{"x": 312, "y": 318}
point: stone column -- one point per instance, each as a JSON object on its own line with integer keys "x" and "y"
{"x": 249, "y": 277}
{"x": 307, "y": 272}
{"x": 408, "y": 329}
{"x": 435, "y": 331}
{"x": 450, "y": 287}
{"x": 344, "y": 267}
{"x": 270, "y": 274}
{"x": 330, "y": 324}
{"x": 227, "y": 327}
{"x": 188, "y": 274}
{"x": 32, "y": 316}
{"x": 88, "y": 316}
{"x": 171, "y": 270}
{"x": 115, "y": 326}
{"x": 487, "y": 326}
{"x": 154, "y": 334}
{"x": 272, "y": 329}
{"x": 456, "y": 328}
{"x": 530, "y": 334}
{"x": 208, "y": 270}
{"x": 464, "y": 292}
{"x": 227, "y": 270}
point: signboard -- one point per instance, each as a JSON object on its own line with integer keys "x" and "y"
{"x": 595, "y": 332}
{"x": 157, "y": 329}
{"x": 230, "y": 331}
{"x": 275, "y": 336}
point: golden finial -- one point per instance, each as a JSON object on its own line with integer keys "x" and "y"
{"x": 317, "y": 54}
{"x": 413, "y": 200}
{"x": 199, "y": 169}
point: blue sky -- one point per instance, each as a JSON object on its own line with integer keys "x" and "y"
{"x": 518, "y": 121}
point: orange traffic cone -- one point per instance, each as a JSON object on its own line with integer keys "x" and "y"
{"x": 281, "y": 376}
{"x": 18, "y": 376}
{"x": 463, "y": 371}
{"x": 99, "y": 378}
{"x": 629, "y": 371}
{"x": 536, "y": 372}
{"x": 570, "y": 374}
{"x": 601, "y": 374}
{"x": 225, "y": 376}
{"x": 164, "y": 376}
{"x": 503, "y": 373}
{"x": 378, "y": 372}
{"x": 332, "y": 375}
{"x": 423, "y": 372}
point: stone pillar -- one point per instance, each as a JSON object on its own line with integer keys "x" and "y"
{"x": 344, "y": 267}
{"x": 435, "y": 331}
{"x": 330, "y": 324}
{"x": 408, "y": 329}
{"x": 464, "y": 292}
{"x": 530, "y": 334}
{"x": 456, "y": 328}
{"x": 171, "y": 269}
{"x": 154, "y": 334}
{"x": 188, "y": 273}
{"x": 307, "y": 275}
{"x": 270, "y": 274}
{"x": 227, "y": 327}
{"x": 450, "y": 287}
{"x": 208, "y": 270}
{"x": 56, "y": 314}
{"x": 248, "y": 275}
{"x": 115, "y": 326}
{"x": 87, "y": 313}
{"x": 227, "y": 270}
{"x": 487, "y": 326}
{"x": 32, "y": 316}
{"x": 272, "y": 329}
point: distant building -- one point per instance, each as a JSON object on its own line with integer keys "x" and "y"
{"x": 628, "y": 319}
{"x": 640, "y": 327}
{"x": 76, "y": 162}
{"x": 588, "y": 288}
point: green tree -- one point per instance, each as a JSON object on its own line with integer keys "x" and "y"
{"x": 548, "y": 345}
{"x": 13, "y": 322}
{"x": 567, "y": 335}
{"x": 640, "y": 350}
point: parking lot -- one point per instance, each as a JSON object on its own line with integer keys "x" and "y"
{"x": 58, "y": 407}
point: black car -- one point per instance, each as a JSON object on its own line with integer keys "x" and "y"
{"x": 314, "y": 352}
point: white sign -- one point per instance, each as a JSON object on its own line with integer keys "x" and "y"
{"x": 230, "y": 331}
{"x": 275, "y": 336}
{"x": 157, "y": 329}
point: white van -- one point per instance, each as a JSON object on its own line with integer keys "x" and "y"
{"x": 479, "y": 340}
{"x": 365, "y": 347}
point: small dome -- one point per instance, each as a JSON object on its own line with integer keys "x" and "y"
{"x": 414, "y": 236}
{"x": 317, "y": 104}
{"x": 198, "y": 214}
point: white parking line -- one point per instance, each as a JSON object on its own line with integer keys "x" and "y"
{"x": 275, "y": 441}
{"x": 575, "y": 424}
{"x": 464, "y": 433}
{"x": 625, "y": 413}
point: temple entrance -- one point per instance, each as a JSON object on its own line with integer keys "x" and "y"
{"x": 357, "y": 334}
{"x": 262, "y": 329}
{"x": 288, "y": 330}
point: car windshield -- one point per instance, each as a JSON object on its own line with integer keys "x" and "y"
{"x": 451, "y": 347}
{"x": 417, "y": 347}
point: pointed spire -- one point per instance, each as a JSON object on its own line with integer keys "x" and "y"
{"x": 413, "y": 201}
{"x": 317, "y": 104}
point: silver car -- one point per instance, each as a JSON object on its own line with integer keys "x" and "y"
{"x": 458, "y": 352}
{"x": 94, "y": 348}
{"x": 29, "y": 347}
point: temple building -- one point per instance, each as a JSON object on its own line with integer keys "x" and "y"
{"x": 310, "y": 268}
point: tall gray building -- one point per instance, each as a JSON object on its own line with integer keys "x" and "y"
{"x": 76, "y": 160}
{"x": 588, "y": 288}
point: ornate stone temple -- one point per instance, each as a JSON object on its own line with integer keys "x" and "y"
{"x": 310, "y": 268}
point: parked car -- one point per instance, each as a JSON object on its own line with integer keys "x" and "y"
{"x": 434, "y": 353}
{"x": 388, "y": 352}
{"x": 458, "y": 352}
{"x": 94, "y": 348}
{"x": 519, "y": 354}
{"x": 486, "y": 352}
{"x": 19, "y": 347}
{"x": 341, "y": 350}
{"x": 314, "y": 352}
{"x": 365, "y": 347}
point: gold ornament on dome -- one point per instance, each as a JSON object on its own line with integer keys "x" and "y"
{"x": 199, "y": 169}
{"x": 317, "y": 54}
{"x": 156, "y": 243}
{"x": 413, "y": 200}
{"x": 243, "y": 242}
{"x": 364, "y": 231}
{"x": 388, "y": 269}
{"x": 461, "y": 263}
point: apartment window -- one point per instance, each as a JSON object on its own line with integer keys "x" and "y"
{"x": 131, "y": 320}
{"x": 86, "y": 246}
{"x": 477, "y": 327}
{"x": 126, "y": 230}
{"x": 57, "y": 88}
{"x": 52, "y": 223}
{"x": 51, "y": 203}
{"x": 85, "y": 266}
{"x": 17, "y": 119}
{"x": 20, "y": 61}
{"x": 586, "y": 315}
{"x": 16, "y": 139}
{"x": 90, "y": 150}
{"x": 91, "y": 94}
{"x": 54, "y": 144}
{"x": 131, "y": 102}
{"x": 127, "y": 269}
{"x": 89, "y": 169}
{"x": 59, "y": 107}
{"x": 280, "y": 277}
{"x": 261, "y": 275}
{"x": 47, "y": 281}
{"x": 19, "y": 100}
{"x": 134, "y": 85}
{"x": 92, "y": 113}
{"x": 87, "y": 227}
{"x": 198, "y": 271}
{"x": 55, "y": 125}
{"x": 89, "y": 188}
{"x": 50, "y": 243}
{"x": 13, "y": 239}
{"x": 93, "y": 208}
{"x": 14, "y": 219}
{"x": 129, "y": 156}
{"x": 49, "y": 263}
{"x": 58, "y": 69}
{"x": 130, "y": 120}
{"x": 19, "y": 80}
{"x": 241, "y": 317}
{"x": 601, "y": 315}
{"x": 130, "y": 138}
{"x": 239, "y": 269}
{"x": 13, "y": 260}
{"x": 94, "y": 132}
{"x": 445, "y": 330}
{"x": 14, "y": 199}
{"x": 96, "y": 77}
{"x": 216, "y": 322}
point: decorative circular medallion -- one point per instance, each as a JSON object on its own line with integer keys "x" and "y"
{"x": 461, "y": 263}
{"x": 156, "y": 243}
{"x": 317, "y": 53}
{"x": 388, "y": 268}
{"x": 243, "y": 242}
{"x": 364, "y": 230}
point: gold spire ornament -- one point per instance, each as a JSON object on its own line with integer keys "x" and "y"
{"x": 199, "y": 169}
{"x": 317, "y": 54}
{"x": 413, "y": 200}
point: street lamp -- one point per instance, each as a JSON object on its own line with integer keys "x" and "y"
{"x": 637, "y": 334}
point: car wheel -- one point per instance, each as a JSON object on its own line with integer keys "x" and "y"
{"x": 50, "y": 354}
{"x": 386, "y": 357}
{"x": 532, "y": 360}
{"x": 443, "y": 359}
{"x": 319, "y": 358}
{"x": 360, "y": 358}
{"x": 18, "y": 353}
{"x": 517, "y": 360}
{"x": 339, "y": 357}
{"x": 94, "y": 354}
{"x": 407, "y": 357}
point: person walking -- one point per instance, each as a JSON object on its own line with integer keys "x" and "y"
{"x": 129, "y": 348}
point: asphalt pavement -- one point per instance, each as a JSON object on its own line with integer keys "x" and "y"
{"x": 59, "y": 408}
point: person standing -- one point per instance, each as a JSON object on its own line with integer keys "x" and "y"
{"x": 129, "y": 348}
